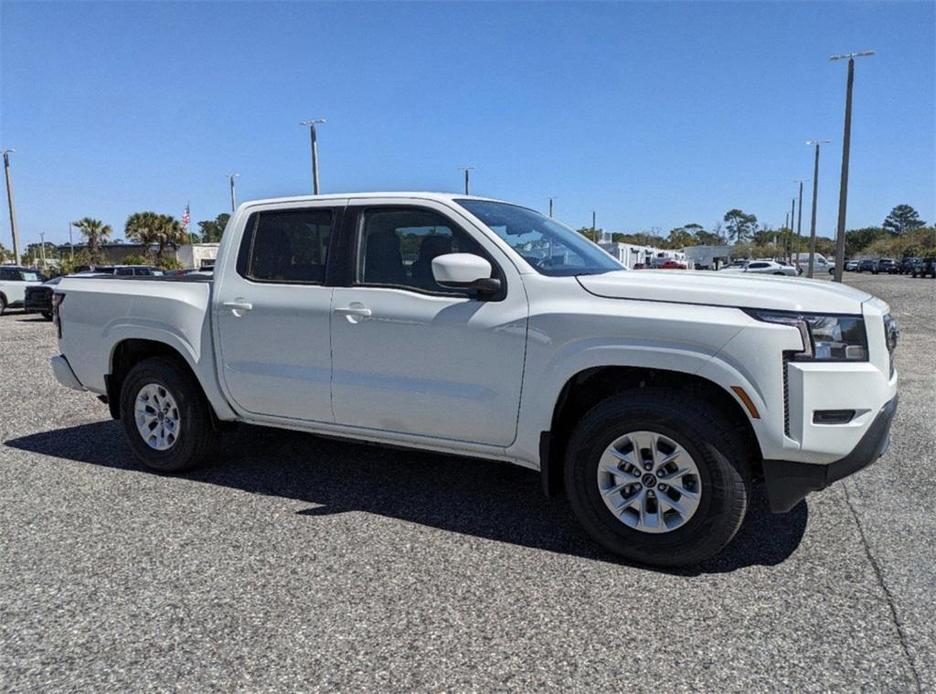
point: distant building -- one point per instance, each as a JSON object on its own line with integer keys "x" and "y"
{"x": 708, "y": 257}
{"x": 632, "y": 255}
{"x": 198, "y": 255}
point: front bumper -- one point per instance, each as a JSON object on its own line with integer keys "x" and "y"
{"x": 788, "y": 482}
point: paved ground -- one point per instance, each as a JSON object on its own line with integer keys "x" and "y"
{"x": 298, "y": 563}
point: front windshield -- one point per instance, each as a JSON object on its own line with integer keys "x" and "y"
{"x": 551, "y": 248}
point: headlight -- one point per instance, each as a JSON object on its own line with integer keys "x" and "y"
{"x": 825, "y": 337}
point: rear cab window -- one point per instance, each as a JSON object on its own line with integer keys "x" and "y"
{"x": 286, "y": 246}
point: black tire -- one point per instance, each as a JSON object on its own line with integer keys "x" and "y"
{"x": 714, "y": 444}
{"x": 47, "y": 315}
{"x": 196, "y": 437}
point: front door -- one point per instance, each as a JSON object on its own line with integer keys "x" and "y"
{"x": 273, "y": 314}
{"x": 411, "y": 356}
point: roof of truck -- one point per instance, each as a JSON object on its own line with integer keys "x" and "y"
{"x": 420, "y": 195}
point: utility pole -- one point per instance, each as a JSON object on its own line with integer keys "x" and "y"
{"x": 314, "y": 142}
{"x": 231, "y": 178}
{"x": 789, "y": 243}
{"x": 467, "y": 170}
{"x": 815, "y": 194}
{"x": 799, "y": 223}
{"x": 594, "y": 221}
{"x": 551, "y": 206}
{"x": 9, "y": 188}
{"x": 42, "y": 248}
{"x": 71, "y": 246}
{"x": 846, "y": 145}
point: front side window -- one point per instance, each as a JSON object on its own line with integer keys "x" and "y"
{"x": 551, "y": 248}
{"x": 396, "y": 247}
{"x": 288, "y": 246}
{"x": 124, "y": 271}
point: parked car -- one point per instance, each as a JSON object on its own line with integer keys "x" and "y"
{"x": 905, "y": 266}
{"x": 924, "y": 267}
{"x": 851, "y": 266}
{"x": 763, "y": 267}
{"x": 655, "y": 400}
{"x": 867, "y": 265}
{"x": 886, "y": 265}
{"x": 38, "y": 298}
{"x": 671, "y": 265}
{"x": 13, "y": 283}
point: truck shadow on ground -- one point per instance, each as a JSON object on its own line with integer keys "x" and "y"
{"x": 486, "y": 499}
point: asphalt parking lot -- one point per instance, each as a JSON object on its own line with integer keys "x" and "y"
{"x": 299, "y": 563}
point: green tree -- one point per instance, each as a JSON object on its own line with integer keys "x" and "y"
{"x": 740, "y": 225}
{"x": 903, "y": 218}
{"x": 95, "y": 232}
{"x": 213, "y": 229}
{"x": 143, "y": 228}
{"x": 857, "y": 240}
{"x": 161, "y": 230}
{"x": 683, "y": 236}
{"x": 589, "y": 233}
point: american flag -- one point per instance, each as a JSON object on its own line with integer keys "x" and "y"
{"x": 186, "y": 217}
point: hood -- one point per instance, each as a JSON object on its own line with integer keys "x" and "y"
{"x": 742, "y": 290}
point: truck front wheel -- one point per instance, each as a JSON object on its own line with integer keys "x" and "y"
{"x": 165, "y": 417}
{"x": 657, "y": 477}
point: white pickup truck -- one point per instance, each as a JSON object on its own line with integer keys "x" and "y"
{"x": 470, "y": 326}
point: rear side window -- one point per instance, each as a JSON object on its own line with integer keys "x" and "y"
{"x": 286, "y": 246}
{"x": 124, "y": 271}
{"x": 757, "y": 266}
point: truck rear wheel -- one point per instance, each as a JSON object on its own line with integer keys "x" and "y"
{"x": 165, "y": 416}
{"x": 657, "y": 477}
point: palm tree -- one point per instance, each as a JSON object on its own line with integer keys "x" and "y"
{"x": 170, "y": 233}
{"x": 150, "y": 228}
{"x": 95, "y": 231}
{"x": 143, "y": 227}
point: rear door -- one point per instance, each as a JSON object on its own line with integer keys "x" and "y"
{"x": 272, "y": 313}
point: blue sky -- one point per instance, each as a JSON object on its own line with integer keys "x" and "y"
{"x": 653, "y": 114}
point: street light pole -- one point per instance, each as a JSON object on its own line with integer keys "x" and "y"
{"x": 551, "y": 206}
{"x": 467, "y": 169}
{"x": 9, "y": 187}
{"x": 846, "y": 146}
{"x": 42, "y": 248}
{"x": 231, "y": 178}
{"x": 815, "y": 194}
{"x": 71, "y": 246}
{"x": 314, "y": 144}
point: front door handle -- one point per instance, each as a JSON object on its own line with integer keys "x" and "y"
{"x": 238, "y": 307}
{"x": 354, "y": 313}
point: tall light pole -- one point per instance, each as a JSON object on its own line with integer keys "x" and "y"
{"x": 314, "y": 142}
{"x": 799, "y": 220}
{"x": 42, "y": 247}
{"x": 9, "y": 188}
{"x": 467, "y": 170}
{"x": 551, "y": 206}
{"x": 231, "y": 178}
{"x": 789, "y": 243}
{"x": 71, "y": 246}
{"x": 846, "y": 145}
{"x": 815, "y": 194}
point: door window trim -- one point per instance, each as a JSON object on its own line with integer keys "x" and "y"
{"x": 351, "y": 249}
{"x": 248, "y": 236}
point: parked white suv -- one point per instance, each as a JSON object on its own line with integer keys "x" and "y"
{"x": 471, "y": 326}
{"x": 13, "y": 283}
